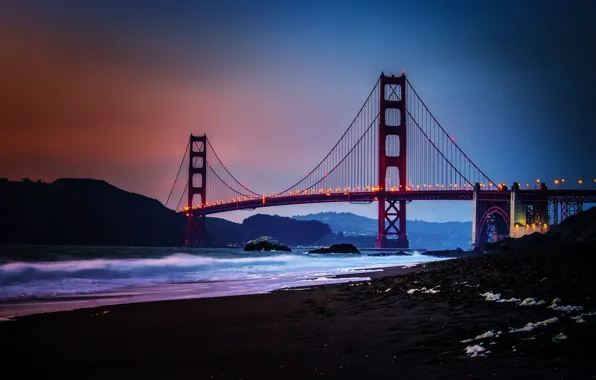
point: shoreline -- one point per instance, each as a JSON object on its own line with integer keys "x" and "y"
{"x": 135, "y": 294}
{"x": 339, "y": 331}
{"x": 388, "y": 325}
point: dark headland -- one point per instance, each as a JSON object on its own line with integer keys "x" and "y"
{"x": 73, "y": 211}
{"x": 412, "y": 326}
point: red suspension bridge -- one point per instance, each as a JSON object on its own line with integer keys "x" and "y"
{"x": 394, "y": 152}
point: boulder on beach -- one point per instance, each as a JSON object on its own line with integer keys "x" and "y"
{"x": 265, "y": 243}
{"x": 380, "y": 254}
{"x": 337, "y": 248}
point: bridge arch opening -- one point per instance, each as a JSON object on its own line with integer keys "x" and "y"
{"x": 197, "y": 180}
{"x": 392, "y": 146}
{"x": 392, "y": 178}
{"x": 392, "y": 117}
{"x": 493, "y": 225}
{"x": 198, "y": 162}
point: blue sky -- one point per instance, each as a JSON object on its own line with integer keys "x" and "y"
{"x": 510, "y": 80}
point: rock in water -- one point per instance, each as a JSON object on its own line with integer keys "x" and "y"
{"x": 265, "y": 243}
{"x": 337, "y": 248}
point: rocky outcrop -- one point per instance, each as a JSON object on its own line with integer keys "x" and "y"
{"x": 265, "y": 243}
{"x": 338, "y": 248}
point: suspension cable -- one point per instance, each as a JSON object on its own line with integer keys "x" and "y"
{"x": 433, "y": 144}
{"x": 445, "y": 132}
{"x": 182, "y": 196}
{"x": 226, "y": 169}
{"x": 176, "y": 179}
{"x": 340, "y": 139}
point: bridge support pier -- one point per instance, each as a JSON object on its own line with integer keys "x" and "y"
{"x": 529, "y": 216}
{"x": 392, "y": 122}
{"x": 475, "y": 215}
{"x": 197, "y": 169}
{"x": 490, "y": 217}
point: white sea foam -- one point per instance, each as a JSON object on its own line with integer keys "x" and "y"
{"x": 579, "y": 319}
{"x": 218, "y": 272}
{"x": 531, "y": 326}
{"x": 566, "y": 308}
{"x": 488, "y": 334}
{"x": 423, "y": 290}
{"x": 476, "y": 350}
{"x": 490, "y": 296}
{"x": 531, "y": 302}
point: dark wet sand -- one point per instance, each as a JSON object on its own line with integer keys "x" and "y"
{"x": 347, "y": 331}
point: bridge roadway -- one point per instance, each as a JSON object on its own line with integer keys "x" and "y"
{"x": 586, "y": 196}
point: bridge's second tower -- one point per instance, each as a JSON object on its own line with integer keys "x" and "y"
{"x": 392, "y": 122}
{"x": 197, "y": 177}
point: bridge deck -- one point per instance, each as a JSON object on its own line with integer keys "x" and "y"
{"x": 588, "y": 196}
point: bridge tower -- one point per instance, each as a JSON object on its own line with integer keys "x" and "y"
{"x": 392, "y": 209}
{"x": 197, "y": 168}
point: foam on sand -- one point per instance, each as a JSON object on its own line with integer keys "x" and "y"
{"x": 531, "y": 326}
{"x": 423, "y": 290}
{"x": 488, "y": 334}
{"x": 531, "y": 302}
{"x": 475, "y": 351}
{"x": 496, "y": 297}
{"x": 566, "y": 308}
{"x": 579, "y": 319}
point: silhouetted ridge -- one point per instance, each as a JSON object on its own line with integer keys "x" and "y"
{"x": 73, "y": 211}
{"x": 84, "y": 212}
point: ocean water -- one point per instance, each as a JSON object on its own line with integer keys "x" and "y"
{"x": 42, "y": 279}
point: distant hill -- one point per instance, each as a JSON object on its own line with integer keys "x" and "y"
{"x": 288, "y": 230}
{"x": 361, "y": 231}
{"x": 352, "y": 224}
{"x": 93, "y": 212}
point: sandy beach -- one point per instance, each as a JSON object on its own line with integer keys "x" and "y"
{"x": 359, "y": 330}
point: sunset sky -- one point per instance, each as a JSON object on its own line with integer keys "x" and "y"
{"x": 112, "y": 91}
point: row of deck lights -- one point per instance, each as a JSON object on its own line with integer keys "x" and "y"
{"x": 338, "y": 190}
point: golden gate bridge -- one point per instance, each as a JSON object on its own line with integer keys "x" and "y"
{"x": 393, "y": 152}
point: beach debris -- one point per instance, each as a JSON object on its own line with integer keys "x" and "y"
{"x": 579, "y": 319}
{"x": 488, "y": 334}
{"x": 531, "y": 326}
{"x": 475, "y": 351}
{"x": 566, "y": 308}
{"x": 512, "y": 299}
{"x": 559, "y": 338}
{"x": 423, "y": 290}
{"x": 388, "y": 289}
{"x": 490, "y": 296}
{"x": 105, "y": 311}
{"x": 513, "y": 349}
{"x": 531, "y": 302}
